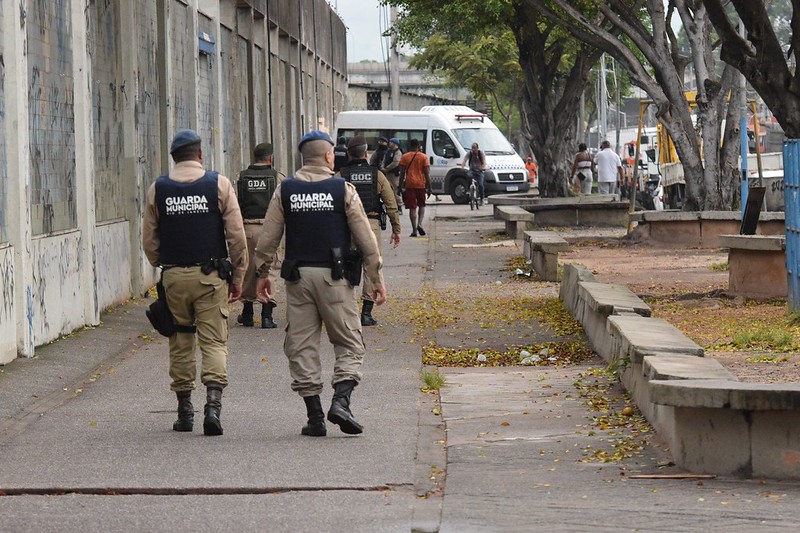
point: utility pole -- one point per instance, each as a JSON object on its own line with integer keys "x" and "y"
{"x": 394, "y": 63}
{"x": 603, "y": 103}
{"x": 619, "y": 110}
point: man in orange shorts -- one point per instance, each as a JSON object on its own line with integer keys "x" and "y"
{"x": 415, "y": 182}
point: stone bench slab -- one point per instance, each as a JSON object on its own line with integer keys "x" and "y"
{"x": 645, "y": 336}
{"x": 546, "y": 241}
{"x": 760, "y": 243}
{"x": 513, "y": 213}
{"x": 671, "y": 366}
{"x": 725, "y": 394}
{"x": 608, "y": 299}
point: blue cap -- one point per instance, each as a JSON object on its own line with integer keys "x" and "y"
{"x": 315, "y": 135}
{"x": 395, "y": 140}
{"x": 184, "y": 138}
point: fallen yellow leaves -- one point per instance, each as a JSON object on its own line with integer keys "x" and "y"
{"x": 625, "y": 428}
{"x": 558, "y": 353}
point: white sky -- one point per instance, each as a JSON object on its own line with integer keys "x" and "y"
{"x": 364, "y": 20}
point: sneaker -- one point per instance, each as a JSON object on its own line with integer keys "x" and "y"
{"x": 421, "y": 231}
{"x": 413, "y": 234}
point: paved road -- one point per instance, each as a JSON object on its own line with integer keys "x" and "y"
{"x": 86, "y": 440}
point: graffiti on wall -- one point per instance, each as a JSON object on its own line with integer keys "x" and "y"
{"x": 107, "y": 106}
{"x": 51, "y": 118}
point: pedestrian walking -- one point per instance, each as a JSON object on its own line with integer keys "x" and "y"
{"x": 415, "y": 185}
{"x": 609, "y": 169}
{"x": 530, "y": 166}
{"x": 379, "y": 203}
{"x": 582, "y": 170}
{"x": 254, "y": 189}
{"x": 322, "y": 216}
{"x": 476, "y": 161}
{"x": 391, "y": 169}
{"x": 192, "y": 225}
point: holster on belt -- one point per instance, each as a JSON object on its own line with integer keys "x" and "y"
{"x": 382, "y": 217}
{"x": 289, "y": 270}
{"x": 353, "y": 266}
{"x": 161, "y": 317}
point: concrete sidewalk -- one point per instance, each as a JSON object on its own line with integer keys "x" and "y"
{"x": 87, "y": 424}
{"x": 91, "y": 417}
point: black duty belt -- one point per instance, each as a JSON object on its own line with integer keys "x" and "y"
{"x": 315, "y": 264}
{"x": 189, "y": 265}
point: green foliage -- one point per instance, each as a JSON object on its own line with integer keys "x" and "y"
{"x": 764, "y": 338}
{"x": 485, "y": 66}
{"x": 720, "y": 266}
{"x": 458, "y": 19}
{"x": 433, "y": 380}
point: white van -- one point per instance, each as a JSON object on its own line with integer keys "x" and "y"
{"x": 446, "y": 134}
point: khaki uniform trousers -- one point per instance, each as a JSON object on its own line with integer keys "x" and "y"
{"x": 317, "y": 299}
{"x": 394, "y": 181}
{"x": 200, "y": 299}
{"x": 252, "y": 231}
{"x": 366, "y": 284}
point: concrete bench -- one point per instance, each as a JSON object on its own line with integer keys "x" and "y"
{"x": 667, "y": 366}
{"x": 702, "y": 229}
{"x": 542, "y": 248}
{"x": 749, "y": 430}
{"x": 637, "y": 337}
{"x": 516, "y": 219}
{"x": 592, "y": 210}
{"x": 712, "y": 423}
{"x": 595, "y": 303}
{"x": 757, "y": 265}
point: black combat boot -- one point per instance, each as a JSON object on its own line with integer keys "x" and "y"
{"x": 339, "y": 412}
{"x": 366, "y": 314}
{"x": 211, "y": 424}
{"x": 316, "y": 417}
{"x": 246, "y": 318}
{"x": 185, "y": 420}
{"x": 266, "y": 316}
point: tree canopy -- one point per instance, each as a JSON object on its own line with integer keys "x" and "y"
{"x": 767, "y": 62}
{"x": 554, "y": 67}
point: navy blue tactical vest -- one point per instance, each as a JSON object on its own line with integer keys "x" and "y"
{"x": 315, "y": 219}
{"x": 190, "y": 225}
{"x": 365, "y": 179}
{"x": 255, "y": 187}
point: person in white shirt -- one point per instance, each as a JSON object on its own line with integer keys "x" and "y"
{"x": 609, "y": 169}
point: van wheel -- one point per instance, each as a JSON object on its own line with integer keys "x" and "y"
{"x": 459, "y": 192}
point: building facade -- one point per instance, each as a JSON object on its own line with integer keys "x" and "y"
{"x": 91, "y": 92}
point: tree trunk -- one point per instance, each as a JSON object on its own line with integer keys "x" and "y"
{"x": 551, "y": 98}
{"x": 652, "y": 57}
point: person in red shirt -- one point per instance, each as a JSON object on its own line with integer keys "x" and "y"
{"x": 415, "y": 182}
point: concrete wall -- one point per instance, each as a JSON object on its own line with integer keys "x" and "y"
{"x": 357, "y": 99}
{"x": 88, "y": 106}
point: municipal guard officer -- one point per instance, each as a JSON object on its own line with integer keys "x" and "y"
{"x": 377, "y": 196}
{"x": 340, "y": 153}
{"x": 254, "y": 189}
{"x": 391, "y": 169}
{"x": 322, "y": 215}
{"x": 192, "y": 224}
